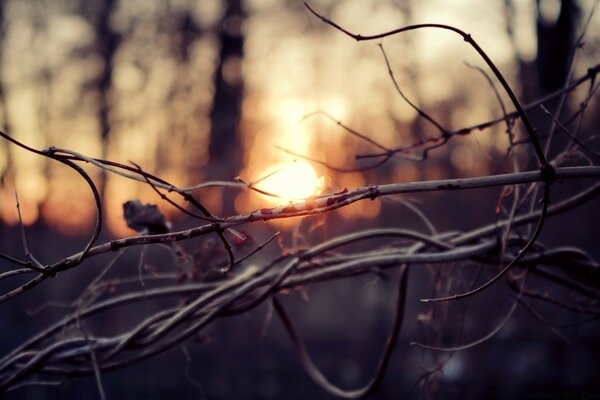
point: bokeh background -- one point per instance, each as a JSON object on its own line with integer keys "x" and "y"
{"x": 198, "y": 90}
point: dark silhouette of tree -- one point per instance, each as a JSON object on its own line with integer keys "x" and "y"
{"x": 225, "y": 145}
{"x": 189, "y": 33}
{"x": 107, "y": 43}
{"x": 5, "y": 125}
{"x": 555, "y": 46}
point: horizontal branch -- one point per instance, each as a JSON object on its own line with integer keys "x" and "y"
{"x": 250, "y": 288}
{"x": 311, "y": 206}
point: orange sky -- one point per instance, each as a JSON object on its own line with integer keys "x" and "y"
{"x": 293, "y": 65}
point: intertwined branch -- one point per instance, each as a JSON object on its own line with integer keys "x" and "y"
{"x": 71, "y": 348}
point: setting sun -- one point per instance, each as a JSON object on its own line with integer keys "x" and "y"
{"x": 297, "y": 180}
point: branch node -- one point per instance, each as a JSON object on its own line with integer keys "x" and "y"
{"x": 49, "y": 151}
{"x": 373, "y": 192}
{"x": 548, "y": 174}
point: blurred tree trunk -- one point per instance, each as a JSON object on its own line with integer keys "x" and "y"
{"x": 190, "y": 32}
{"x": 5, "y": 125}
{"x": 555, "y": 44}
{"x": 107, "y": 42}
{"x": 225, "y": 144}
{"x": 555, "y": 51}
{"x": 555, "y": 39}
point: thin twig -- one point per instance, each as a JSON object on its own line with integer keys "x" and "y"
{"x": 469, "y": 39}
{"x": 32, "y": 263}
{"x": 484, "y": 338}
{"x": 519, "y": 256}
{"x": 419, "y": 111}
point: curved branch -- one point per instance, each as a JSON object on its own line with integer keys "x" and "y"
{"x": 518, "y": 257}
{"x": 383, "y": 363}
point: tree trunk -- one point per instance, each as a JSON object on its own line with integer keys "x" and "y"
{"x": 107, "y": 44}
{"x": 225, "y": 145}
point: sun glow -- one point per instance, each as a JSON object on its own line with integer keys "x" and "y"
{"x": 297, "y": 180}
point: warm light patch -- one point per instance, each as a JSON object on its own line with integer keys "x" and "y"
{"x": 8, "y": 208}
{"x": 296, "y": 180}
